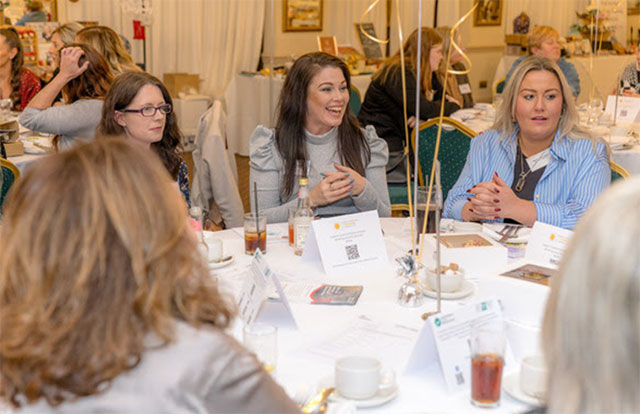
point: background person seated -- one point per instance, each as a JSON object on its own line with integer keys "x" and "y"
{"x": 106, "y": 306}
{"x": 594, "y": 309}
{"x": 33, "y": 13}
{"x": 630, "y": 82}
{"x": 383, "y": 103}
{"x": 536, "y": 163}
{"x": 106, "y": 41}
{"x": 16, "y": 82}
{"x": 315, "y": 124}
{"x": 543, "y": 41}
{"x": 458, "y": 86}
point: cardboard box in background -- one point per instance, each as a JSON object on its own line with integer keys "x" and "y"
{"x": 9, "y": 135}
{"x": 181, "y": 82}
{"x": 14, "y": 148}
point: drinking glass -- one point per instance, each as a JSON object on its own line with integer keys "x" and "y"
{"x": 487, "y": 360}
{"x": 292, "y": 213}
{"x": 255, "y": 233}
{"x": 594, "y": 111}
{"x": 421, "y": 203}
{"x": 262, "y": 339}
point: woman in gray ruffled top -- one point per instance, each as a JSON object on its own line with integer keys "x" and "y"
{"x": 346, "y": 164}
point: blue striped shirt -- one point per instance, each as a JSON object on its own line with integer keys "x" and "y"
{"x": 570, "y": 183}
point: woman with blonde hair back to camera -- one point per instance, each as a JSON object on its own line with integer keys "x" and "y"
{"x": 591, "y": 329}
{"x": 105, "y": 304}
{"x": 106, "y": 41}
{"x": 535, "y": 163}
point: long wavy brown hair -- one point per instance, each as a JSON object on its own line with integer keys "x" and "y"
{"x": 93, "y": 83}
{"x": 430, "y": 39}
{"x": 124, "y": 90}
{"x": 100, "y": 256}
{"x": 12, "y": 40}
{"x": 106, "y": 41}
{"x": 353, "y": 148}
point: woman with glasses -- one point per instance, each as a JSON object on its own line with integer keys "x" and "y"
{"x": 139, "y": 107}
{"x": 84, "y": 79}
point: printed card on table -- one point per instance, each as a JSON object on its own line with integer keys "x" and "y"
{"x": 627, "y": 109}
{"x": 344, "y": 243}
{"x": 251, "y": 302}
{"x": 547, "y": 244}
{"x": 446, "y": 337}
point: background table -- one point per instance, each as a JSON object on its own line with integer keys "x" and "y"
{"x": 523, "y": 304}
{"x": 249, "y": 103}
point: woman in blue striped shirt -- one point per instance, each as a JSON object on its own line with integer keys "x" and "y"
{"x": 536, "y": 163}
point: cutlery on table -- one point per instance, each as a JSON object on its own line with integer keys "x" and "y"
{"x": 318, "y": 403}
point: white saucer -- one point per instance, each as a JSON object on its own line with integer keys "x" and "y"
{"x": 467, "y": 289}
{"x": 511, "y": 385}
{"x": 218, "y": 265}
{"x": 383, "y": 396}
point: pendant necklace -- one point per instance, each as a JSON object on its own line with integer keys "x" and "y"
{"x": 524, "y": 174}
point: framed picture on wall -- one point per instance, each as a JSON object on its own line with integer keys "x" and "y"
{"x": 302, "y": 15}
{"x": 328, "y": 44}
{"x": 488, "y": 13}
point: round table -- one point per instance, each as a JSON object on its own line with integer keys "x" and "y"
{"x": 523, "y": 305}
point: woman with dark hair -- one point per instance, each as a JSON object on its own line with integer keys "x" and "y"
{"x": 16, "y": 82}
{"x": 383, "y": 102}
{"x": 139, "y": 107}
{"x": 315, "y": 125}
{"x": 84, "y": 79}
{"x": 105, "y": 305}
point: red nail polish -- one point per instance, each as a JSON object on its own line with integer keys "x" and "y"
{"x": 495, "y": 200}
{"x": 496, "y": 218}
{"x": 473, "y": 186}
{"x": 497, "y": 191}
{"x": 471, "y": 210}
{"x": 468, "y": 199}
{"x": 498, "y": 209}
{"x": 468, "y": 191}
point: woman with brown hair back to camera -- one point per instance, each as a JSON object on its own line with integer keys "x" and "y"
{"x": 105, "y": 306}
{"x": 106, "y": 41}
{"x": 84, "y": 79}
{"x": 383, "y": 102}
{"x": 16, "y": 82}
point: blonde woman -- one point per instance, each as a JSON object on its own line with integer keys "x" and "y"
{"x": 591, "y": 328}
{"x": 106, "y": 41}
{"x": 543, "y": 41}
{"x": 458, "y": 86}
{"x": 62, "y": 36}
{"x": 383, "y": 103}
{"x": 536, "y": 163}
{"x": 104, "y": 306}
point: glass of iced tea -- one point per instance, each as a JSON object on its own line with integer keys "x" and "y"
{"x": 487, "y": 360}
{"x": 255, "y": 233}
{"x": 262, "y": 339}
{"x": 292, "y": 213}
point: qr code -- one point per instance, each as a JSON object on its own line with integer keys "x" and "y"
{"x": 459, "y": 378}
{"x": 352, "y": 252}
{"x": 623, "y": 112}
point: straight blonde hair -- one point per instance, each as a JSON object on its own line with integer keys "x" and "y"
{"x": 591, "y": 329}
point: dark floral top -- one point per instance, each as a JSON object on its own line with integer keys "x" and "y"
{"x": 183, "y": 182}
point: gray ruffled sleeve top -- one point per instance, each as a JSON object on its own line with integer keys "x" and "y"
{"x": 267, "y": 169}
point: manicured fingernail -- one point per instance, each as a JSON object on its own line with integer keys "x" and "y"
{"x": 495, "y": 200}
{"x": 473, "y": 186}
{"x": 346, "y": 174}
{"x": 468, "y": 191}
{"x": 498, "y": 209}
{"x": 497, "y": 191}
{"x": 323, "y": 174}
{"x": 471, "y": 210}
{"x": 468, "y": 199}
{"x": 496, "y": 218}
{"x": 351, "y": 180}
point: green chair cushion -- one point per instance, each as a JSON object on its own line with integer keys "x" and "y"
{"x": 354, "y": 102}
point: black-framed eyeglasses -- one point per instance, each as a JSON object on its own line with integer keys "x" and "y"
{"x": 150, "y": 110}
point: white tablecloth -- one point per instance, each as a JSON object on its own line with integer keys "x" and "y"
{"x": 250, "y": 103}
{"x": 425, "y": 392}
{"x": 604, "y": 74}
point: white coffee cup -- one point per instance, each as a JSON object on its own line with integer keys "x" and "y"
{"x": 359, "y": 378}
{"x": 533, "y": 376}
{"x": 215, "y": 247}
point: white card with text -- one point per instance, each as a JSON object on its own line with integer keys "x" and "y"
{"x": 547, "y": 244}
{"x": 257, "y": 285}
{"x": 446, "y": 337}
{"x": 628, "y": 108}
{"x": 348, "y": 242}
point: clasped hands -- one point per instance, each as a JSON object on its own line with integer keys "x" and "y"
{"x": 336, "y": 185}
{"x": 492, "y": 200}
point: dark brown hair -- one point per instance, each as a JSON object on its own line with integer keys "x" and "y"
{"x": 124, "y": 90}
{"x": 12, "y": 40}
{"x": 353, "y": 148}
{"x": 93, "y": 83}
{"x": 82, "y": 285}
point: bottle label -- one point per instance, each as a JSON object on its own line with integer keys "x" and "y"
{"x": 301, "y": 229}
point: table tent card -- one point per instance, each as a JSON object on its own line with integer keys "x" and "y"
{"x": 627, "y": 108}
{"x": 547, "y": 244}
{"x": 346, "y": 243}
{"x": 251, "y": 302}
{"x": 445, "y": 337}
